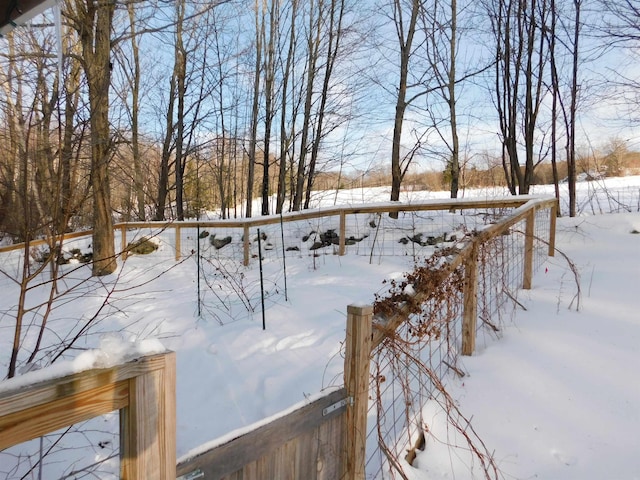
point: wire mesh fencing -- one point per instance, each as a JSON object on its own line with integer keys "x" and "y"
{"x": 423, "y": 318}
{"x": 220, "y": 251}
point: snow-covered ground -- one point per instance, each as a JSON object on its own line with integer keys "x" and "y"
{"x": 555, "y": 398}
{"x": 558, "y": 396}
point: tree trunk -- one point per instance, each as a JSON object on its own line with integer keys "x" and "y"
{"x": 313, "y": 45}
{"x": 180, "y": 67}
{"x": 138, "y": 174}
{"x": 269, "y": 80}
{"x": 95, "y": 37}
{"x": 555, "y": 90}
{"x": 253, "y": 139}
{"x": 406, "y": 45}
{"x": 451, "y": 86}
{"x": 335, "y": 35}
{"x": 571, "y": 154}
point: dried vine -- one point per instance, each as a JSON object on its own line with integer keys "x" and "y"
{"x": 409, "y": 361}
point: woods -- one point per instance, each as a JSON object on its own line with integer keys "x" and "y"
{"x": 166, "y": 111}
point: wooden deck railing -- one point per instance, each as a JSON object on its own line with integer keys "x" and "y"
{"x": 144, "y": 392}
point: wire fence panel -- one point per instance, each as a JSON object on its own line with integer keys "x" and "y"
{"x": 422, "y": 318}
{"x": 407, "y": 368}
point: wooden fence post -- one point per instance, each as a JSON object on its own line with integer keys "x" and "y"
{"x": 552, "y": 229}
{"x": 470, "y": 301}
{"x": 148, "y": 425}
{"x": 178, "y": 241}
{"x": 143, "y": 390}
{"x": 123, "y": 242}
{"x": 246, "y": 242}
{"x": 356, "y": 381}
{"x": 528, "y": 249}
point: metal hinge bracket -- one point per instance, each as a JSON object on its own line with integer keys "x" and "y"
{"x": 340, "y": 404}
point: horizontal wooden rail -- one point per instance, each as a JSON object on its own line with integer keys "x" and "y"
{"x": 339, "y": 211}
{"x": 144, "y": 392}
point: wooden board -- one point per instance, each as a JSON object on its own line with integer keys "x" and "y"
{"x": 300, "y": 444}
{"x": 77, "y": 407}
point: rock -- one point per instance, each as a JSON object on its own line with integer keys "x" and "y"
{"x": 329, "y": 237}
{"x": 218, "y": 243}
{"x": 142, "y": 246}
{"x": 316, "y": 246}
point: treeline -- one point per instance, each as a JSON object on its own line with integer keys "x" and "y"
{"x": 614, "y": 161}
{"x": 155, "y": 110}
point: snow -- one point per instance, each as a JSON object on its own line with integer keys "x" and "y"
{"x": 113, "y": 350}
{"x": 556, "y": 397}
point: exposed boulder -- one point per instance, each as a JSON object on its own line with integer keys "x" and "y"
{"x": 218, "y": 243}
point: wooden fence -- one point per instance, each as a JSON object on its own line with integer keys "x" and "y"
{"x": 325, "y": 439}
{"x": 144, "y": 392}
{"x": 401, "y": 387}
{"x": 246, "y": 224}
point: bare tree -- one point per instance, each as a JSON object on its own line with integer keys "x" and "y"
{"x": 440, "y": 23}
{"x": 259, "y": 17}
{"x": 167, "y": 151}
{"x": 550, "y": 35}
{"x": 269, "y": 71}
{"x": 571, "y": 124}
{"x": 134, "y": 82}
{"x": 224, "y": 153}
{"x": 620, "y": 35}
{"x": 405, "y": 31}
{"x": 334, "y": 35}
{"x": 287, "y": 135}
{"x": 180, "y": 73}
{"x": 93, "y": 20}
{"x": 40, "y": 172}
{"x": 314, "y": 34}
{"x": 520, "y": 62}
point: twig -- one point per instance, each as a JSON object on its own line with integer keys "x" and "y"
{"x": 515, "y": 300}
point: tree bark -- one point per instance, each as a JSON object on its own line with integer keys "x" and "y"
{"x": 571, "y": 154}
{"x": 255, "y": 104}
{"x": 313, "y": 46}
{"x": 138, "y": 173}
{"x": 336, "y": 14}
{"x": 95, "y": 20}
{"x": 406, "y": 45}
